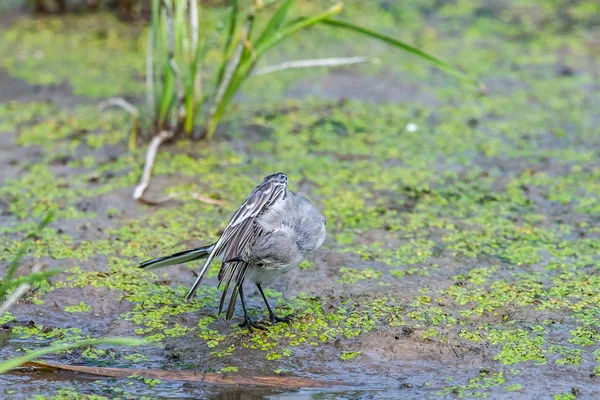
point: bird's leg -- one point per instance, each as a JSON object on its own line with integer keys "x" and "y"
{"x": 274, "y": 318}
{"x": 248, "y": 322}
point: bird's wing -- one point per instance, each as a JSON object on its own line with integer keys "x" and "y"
{"x": 240, "y": 230}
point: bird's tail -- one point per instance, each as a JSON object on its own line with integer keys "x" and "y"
{"x": 178, "y": 258}
{"x": 196, "y": 284}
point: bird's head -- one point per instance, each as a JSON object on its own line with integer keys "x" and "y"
{"x": 278, "y": 177}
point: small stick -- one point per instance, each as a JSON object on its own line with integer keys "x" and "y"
{"x": 150, "y": 157}
{"x": 279, "y": 382}
{"x": 160, "y": 200}
{"x": 318, "y": 62}
{"x": 208, "y": 200}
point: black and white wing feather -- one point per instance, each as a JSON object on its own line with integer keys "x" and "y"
{"x": 239, "y": 233}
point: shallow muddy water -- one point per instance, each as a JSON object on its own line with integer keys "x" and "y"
{"x": 462, "y": 254}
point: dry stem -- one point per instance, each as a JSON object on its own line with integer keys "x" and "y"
{"x": 318, "y": 62}
{"x": 147, "y": 173}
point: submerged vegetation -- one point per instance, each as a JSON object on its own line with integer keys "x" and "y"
{"x": 463, "y": 227}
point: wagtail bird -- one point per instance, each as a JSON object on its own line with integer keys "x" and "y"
{"x": 268, "y": 235}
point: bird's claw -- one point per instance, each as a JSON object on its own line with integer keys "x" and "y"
{"x": 251, "y": 324}
{"x": 275, "y": 319}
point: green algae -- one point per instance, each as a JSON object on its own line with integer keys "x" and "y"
{"x": 13, "y": 114}
{"x": 519, "y": 345}
{"x": 82, "y": 44}
{"x": 57, "y": 335}
{"x": 414, "y": 252}
{"x": 81, "y": 307}
{"x": 348, "y": 355}
{"x": 564, "y": 396}
{"x": 476, "y": 387}
{"x": 354, "y": 275}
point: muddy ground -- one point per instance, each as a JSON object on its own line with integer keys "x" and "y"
{"x": 462, "y": 257}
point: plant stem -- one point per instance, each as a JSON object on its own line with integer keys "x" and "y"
{"x": 194, "y": 24}
{"x": 230, "y": 70}
{"x": 150, "y": 71}
{"x": 173, "y": 65}
{"x": 150, "y": 157}
{"x": 318, "y": 62}
{"x": 131, "y": 109}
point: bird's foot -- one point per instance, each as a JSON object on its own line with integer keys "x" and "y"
{"x": 251, "y": 324}
{"x": 275, "y": 319}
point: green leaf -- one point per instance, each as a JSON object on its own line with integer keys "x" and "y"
{"x": 167, "y": 95}
{"x": 289, "y": 30}
{"x": 275, "y": 22}
{"x": 30, "y": 279}
{"x": 401, "y": 45}
{"x": 14, "y": 264}
{"x": 227, "y": 48}
{"x": 244, "y": 69}
{"x": 232, "y": 24}
{"x": 112, "y": 341}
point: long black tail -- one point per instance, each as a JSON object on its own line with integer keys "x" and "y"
{"x": 178, "y": 258}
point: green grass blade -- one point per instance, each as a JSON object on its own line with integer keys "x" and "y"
{"x": 153, "y": 83}
{"x": 190, "y": 113}
{"x": 233, "y": 15}
{"x": 14, "y": 264}
{"x": 291, "y": 29}
{"x": 151, "y": 54}
{"x": 45, "y": 222}
{"x": 22, "y": 250}
{"x": 164, "y": 82}
{"x": 111, "y": 341}
{"x": 274, "y": 24}
{"x": 155, "y": 13}
{"x": 227, "y": 48}
{"x": 167, "y": 95}
{"x": 401, "y": 45}
{"x": 243, "y": 70}
{"x": 30, "y": 279}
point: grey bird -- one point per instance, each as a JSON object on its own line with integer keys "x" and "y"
{"x": 268, "y": 235}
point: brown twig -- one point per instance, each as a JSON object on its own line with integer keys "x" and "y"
{"x": 159, "y": 201}
{"x": 281, "y": 382}
{"x": 208, "y": 200}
